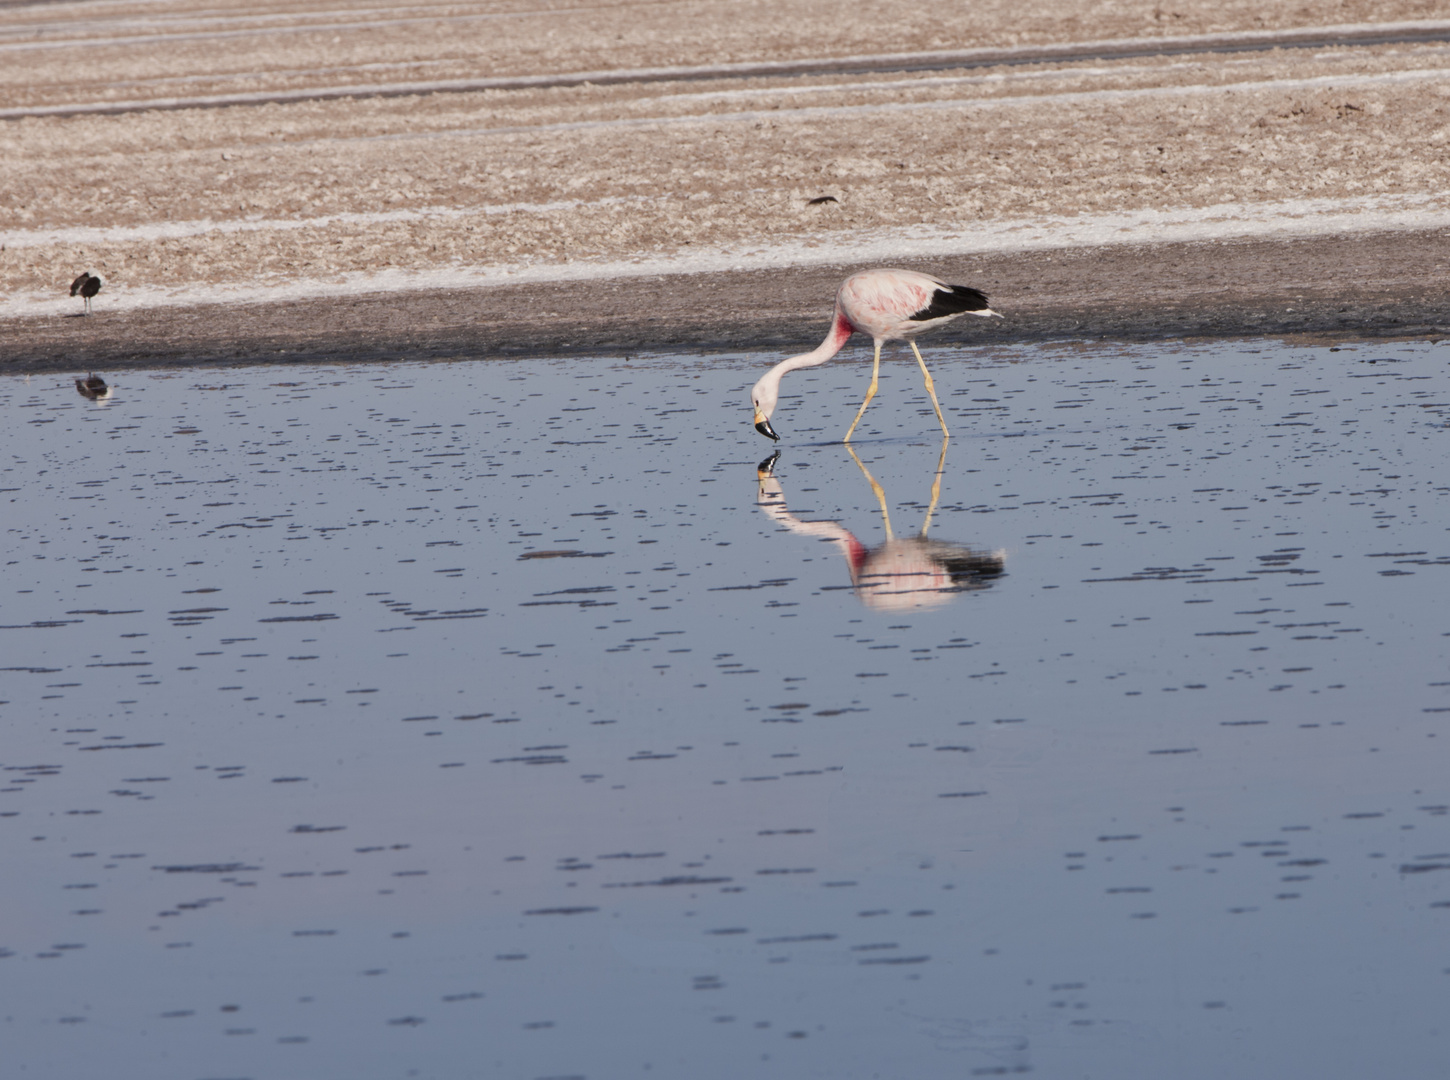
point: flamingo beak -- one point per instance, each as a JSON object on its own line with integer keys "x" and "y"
{"x": 762, "y": 425}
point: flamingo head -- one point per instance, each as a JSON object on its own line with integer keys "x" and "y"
{"x": 763, "y": 397}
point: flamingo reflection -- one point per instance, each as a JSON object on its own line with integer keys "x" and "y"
{"x": 902, "y": 573}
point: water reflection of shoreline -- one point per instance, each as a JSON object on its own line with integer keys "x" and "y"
{"x": 902, "y": 573}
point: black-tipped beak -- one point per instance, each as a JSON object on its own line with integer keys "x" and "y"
{"x": 763, "y": 426}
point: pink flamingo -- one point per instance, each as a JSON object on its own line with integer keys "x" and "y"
{"x": 889, "y": 305}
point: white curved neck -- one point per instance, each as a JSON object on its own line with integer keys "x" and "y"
{"x": 841, "y": 329}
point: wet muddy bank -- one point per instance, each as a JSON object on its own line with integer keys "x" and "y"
{"x": 1365, "y": 286}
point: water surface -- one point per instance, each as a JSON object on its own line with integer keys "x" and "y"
{"x": 523, "y": 719}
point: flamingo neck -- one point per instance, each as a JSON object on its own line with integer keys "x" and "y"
{"x": 841, "y": 329}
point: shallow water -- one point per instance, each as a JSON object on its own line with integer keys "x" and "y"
{"x": 515, "y": 719}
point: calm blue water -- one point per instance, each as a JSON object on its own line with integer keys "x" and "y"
{"x": 516, "y": 719}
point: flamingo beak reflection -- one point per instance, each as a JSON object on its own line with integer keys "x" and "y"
{"x": 762, "y": 425}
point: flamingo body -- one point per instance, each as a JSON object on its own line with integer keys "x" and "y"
{"x": 892, "y": 305}
{"x": 889, "y": 305}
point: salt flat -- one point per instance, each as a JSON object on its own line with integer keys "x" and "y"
{"x": 698, "y": 152}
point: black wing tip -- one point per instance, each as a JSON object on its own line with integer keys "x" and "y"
{"x": 949, "y": 300}
{"x": 976, "y": 297}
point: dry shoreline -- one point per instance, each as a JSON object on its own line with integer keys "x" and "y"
{"x": 1132, "y": 170}
{"x": 1346, "y": 288}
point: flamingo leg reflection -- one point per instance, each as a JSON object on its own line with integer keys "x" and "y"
{"x": 931, "y": 390}
{"x": 941, "y": 463}
{"x": 877, "y": 488}
{"x": 870, "y": 393}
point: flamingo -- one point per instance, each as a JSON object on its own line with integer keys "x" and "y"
{"x": 889, "y": 305}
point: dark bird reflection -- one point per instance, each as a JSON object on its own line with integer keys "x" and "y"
{"x": 902, "y": 573}
{"x": 93, "y": 388}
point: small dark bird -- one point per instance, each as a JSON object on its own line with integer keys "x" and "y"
{"x": 820, "y": 199}
{"x": 86, "y": 286}
{"x": 93, "y": 387}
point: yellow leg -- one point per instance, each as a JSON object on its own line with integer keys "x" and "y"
{"x": 930, "y": 389}
{"x": 870, "y": 393}
{"x": 941, "y": 462}
{"x": 880, "y": 492}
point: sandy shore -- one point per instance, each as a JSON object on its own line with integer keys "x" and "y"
{"x": 1333, "y": 288}
{"x": 1190, "y": 192}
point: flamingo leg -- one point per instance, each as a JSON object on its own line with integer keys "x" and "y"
{"x": 880, "y": 492}
{"x": 930, "y": 389}
{"x": 870, "y": 393}
{"x": 936, "y": 486}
